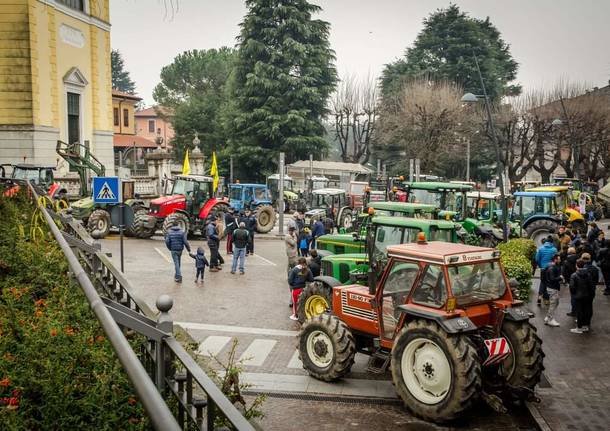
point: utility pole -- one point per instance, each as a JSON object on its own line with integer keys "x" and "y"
{"x": 467, "y": 159}
{"x": 231, "y": 170}
{"x": 280, "y": 205}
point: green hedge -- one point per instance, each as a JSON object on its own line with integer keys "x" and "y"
{"x": 57, "y": 370}
{"x": 517, "y": 256}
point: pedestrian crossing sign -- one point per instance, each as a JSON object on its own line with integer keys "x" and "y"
{"x": 106, "y": 190}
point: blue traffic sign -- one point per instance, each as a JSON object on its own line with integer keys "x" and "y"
{"x": 106, "y": 190}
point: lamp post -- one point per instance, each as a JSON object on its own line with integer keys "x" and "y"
{"x": 473, "y": 98}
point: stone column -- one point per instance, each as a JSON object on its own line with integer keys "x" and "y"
{"x": 196, "y": 162}
{"x": 159, "y": 166}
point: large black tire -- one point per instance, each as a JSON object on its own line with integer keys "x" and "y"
{"x": 140, "y": 229}
{"x": 579, "y": 226}
{"x": 346, "y": 219}
{"x": 265, "y": 218}
{"x": 129, "y": 230}
{"x": 98, "y": 224}
{"x": 180, "y": 218}
{"x": 315, "y": 299}
{"x": 523, "y": 368}
{"x": 326, "y": 347}
{"x": 220, "y": 208}
{"x": 540, "y": 229}
{"x": 425, "y": 359}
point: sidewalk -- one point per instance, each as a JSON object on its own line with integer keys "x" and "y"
{"x": 577, "y": 367}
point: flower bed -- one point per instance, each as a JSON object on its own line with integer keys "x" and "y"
{"x": 516, "y": 256}
{"x": 57, "y": 370}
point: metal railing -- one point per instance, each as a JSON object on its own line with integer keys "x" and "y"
{"x": 164, "y": 370}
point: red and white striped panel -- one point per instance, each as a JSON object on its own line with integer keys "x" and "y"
{"x": 498, "y": 350}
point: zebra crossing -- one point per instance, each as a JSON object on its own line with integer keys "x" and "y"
{"x": 270, "y": 360}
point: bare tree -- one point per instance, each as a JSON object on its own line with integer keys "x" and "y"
{"x": 354, "y": 108}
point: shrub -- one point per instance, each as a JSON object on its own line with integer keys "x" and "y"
{"x": 57, "y": 370}
{"x": 517, "y": 256}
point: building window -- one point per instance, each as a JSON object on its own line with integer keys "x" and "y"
{"x": 116, "y": 116}
{"x": 74, "y": 4}
{"x": 125, "y": 117}
{"x": 73, "y": 117}
{"x": 151, "y": 126}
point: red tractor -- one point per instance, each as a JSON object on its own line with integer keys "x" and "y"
{"x": 442, "y": 317}
{"x": 189, "y": 204}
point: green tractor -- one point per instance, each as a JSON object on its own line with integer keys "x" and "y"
{"x": 382, "y": 232}
{"x": 484, "y": 218}
{"x": 291, "y": 199}
{"x": 96, "y": 217}
{"x": 449, "y": 198}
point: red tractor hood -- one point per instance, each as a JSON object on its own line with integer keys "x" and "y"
{"x": 166, "y": 205}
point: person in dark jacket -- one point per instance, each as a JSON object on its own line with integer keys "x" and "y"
{"x": 250, "y": 222}
{"x": 593, "y": 233}
{"x": 297, "y": 277}
{"x": 176, "y": 241}
{"x": 230, "y": 226}
{"x": 329, "y": 225}
{"x": 315, "y": 262}
{"x": 604, "y": 263}
{"x": 213, "y": 243}
{"x": 553, "y": 280}
{"x": 593, "y": 279}
{"x": 568, "y": 267}
{"x": 543, "y": 258}
{"x": 317, "y": 231}
{"x": 200, "y": 263}
{"x": 579, "y": 287}
{"x": 241, "y": 238}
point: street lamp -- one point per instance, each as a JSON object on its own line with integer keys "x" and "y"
{"x": 473, "y": 98}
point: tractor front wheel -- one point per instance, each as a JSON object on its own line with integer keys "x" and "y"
{"x": 438, "y": 376}
{"x": 346, "y": 219}
{"x": 523, "y": 368}
{"x": 540, "y": 229}
{"x": 326, "y": 347}
{"x": 178, "y": 218}
{"x": 98, "y": 224}
{"x": 265, "y": 218}
{"x": 140, "y": 225}
{"x": 315, "y": 299}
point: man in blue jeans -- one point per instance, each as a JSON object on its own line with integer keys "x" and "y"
{"x": 241, "y": 239}
{"x": 176, "y": 241}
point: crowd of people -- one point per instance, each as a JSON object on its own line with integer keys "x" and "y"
{"x": 570, "y": 259}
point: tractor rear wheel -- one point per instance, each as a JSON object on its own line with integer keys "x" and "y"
{"x": 140, "y": 228}
{"x": 540, "y": 229}
{"x": 180, "y": 219}
{"x": 98, "y": 224}
{"x": 326, "y": 347}
{"x": 315, "y": 299}
{"x": 265, "y": 218}
{"x": 129, "y": 230}
{"x": 523, "y": 368}
{"x": 437, "y": 376}
{"x": 346, "y": 220}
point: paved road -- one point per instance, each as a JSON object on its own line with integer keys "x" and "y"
{"x": 252, "y": 309}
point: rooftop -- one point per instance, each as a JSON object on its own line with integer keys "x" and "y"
{"x": 407, "y": 207}
{"x": 154, "y": 111}
{"x": 412, "y": 222}
{"x": 328, "y": 191}
{"x": 435, "y": 185}
{"x": 438, "y": 251}
{"x": 126, "y": 141}
{"x": 123, "y": 95}
{"x": 332, "y": 166}
{"x": 483, "y": 195}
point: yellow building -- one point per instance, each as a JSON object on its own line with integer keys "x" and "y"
{"x": 55, "y": 79}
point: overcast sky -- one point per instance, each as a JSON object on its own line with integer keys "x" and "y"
{"x": 551, "y": 39}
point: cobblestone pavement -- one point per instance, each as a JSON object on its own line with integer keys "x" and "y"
{"x": 577, "y": 368}
{"x": 252, "y": 309}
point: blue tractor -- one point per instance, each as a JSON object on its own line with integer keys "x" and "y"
{"x": 256, "y": 198}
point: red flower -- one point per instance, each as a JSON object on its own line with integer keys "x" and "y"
{"x": 53, "y": 332}
{"x": 40, "y": 303}
{"x": 131, "y": 401}
{"x": 8, "y": 357}
{"x": 69, "y": 331}
{"x": 5, "y": 382}
{"x": 99, "y": 338}
{"x": 38, "y": 313}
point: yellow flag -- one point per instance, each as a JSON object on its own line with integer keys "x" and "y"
{"x": 186, "y": 166}
{"x": 214, "y": 171}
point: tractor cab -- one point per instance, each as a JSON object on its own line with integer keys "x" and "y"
{"x": 442, "y": 318}
{"x": 291, "y": 199}
{"x": 447, "y": 197}
{"x": 330, "y": 203}
{"x": 39, "y": 175}
{"x": 248, "y": 196}
{"x": 196, "y": 190}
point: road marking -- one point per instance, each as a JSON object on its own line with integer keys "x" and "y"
{"x": 237, "y": 329}
{"x": 264, "y": 260}
{"x": 295, "y": 362}
{"x": 163, "y": 255}
{"x": 257, "y": 352}
{"x": 212, "y": 345}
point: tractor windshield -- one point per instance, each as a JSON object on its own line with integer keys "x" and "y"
{"x": 235, "y": 194}
{"x": 391, "y": 235}
{"x": 527, "y": 206}
{"x": 261, "y": 194}
{"x": 430, "y": 197}
{"x": 183, "y": 187}
{"x": 323, "y": 201}
{"x": 479, "y": 208}
{"x": 445, "y": 235}
{"x": 27, "y": 174}
{"x": 477, "y": 282}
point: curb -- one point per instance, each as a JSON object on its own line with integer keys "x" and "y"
{"x": 541, "y": 423}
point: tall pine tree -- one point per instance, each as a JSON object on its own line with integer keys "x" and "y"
{"x": 283, "y": 77}
{"x": 444, "y": 50}
{"x": 120, "y": 76}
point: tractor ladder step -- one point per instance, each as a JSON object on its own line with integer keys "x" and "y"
{"x": 378, "y": 362}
